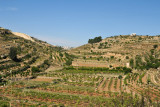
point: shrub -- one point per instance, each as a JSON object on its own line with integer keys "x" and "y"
{"x": 0, "y": 78}
{"x": 13, "y": 53}
{"x": 69, "y": 62}
{"x": 127, "y": 70}
{"x": 35, "y": 69}
{"x": 120, "y": 77}
{"x": 112, "y": 57}
{"x": 155, "y": 46}
{"x": 46, "y": 62}
{"x": 127, "y": 57}
{"x": 60, "y": 54}
{"x": 131, "y": 63}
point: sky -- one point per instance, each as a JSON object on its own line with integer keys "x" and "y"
{"x": 73, "y": 22}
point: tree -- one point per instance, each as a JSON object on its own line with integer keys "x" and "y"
{"x": 155, "y": 46}
{"x": 13, "y": 53}
{"x": 120, "y": 77}
{"x": 111, "y": 57}
{"x": 84, "y": 57}
{"x": 35, "y": 70}
{"x": 131, "y": 63}
{"x": 0, "y": 78}
{"x": 127, "y": 57}
{"x": 69, "y": 62}
{"x": 95, "y": 40}
{"x": 46, "y": 62}
{"x": 60, "y": 54}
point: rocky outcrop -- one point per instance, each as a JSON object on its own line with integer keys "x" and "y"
{"x": 23, "y": 36}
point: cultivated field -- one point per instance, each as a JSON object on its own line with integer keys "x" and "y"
{"x": 82, "y": 87}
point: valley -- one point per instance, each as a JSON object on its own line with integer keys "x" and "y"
{"x": 118, "y": 71}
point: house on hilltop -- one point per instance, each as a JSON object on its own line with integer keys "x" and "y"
{"x": 133, "y": 34}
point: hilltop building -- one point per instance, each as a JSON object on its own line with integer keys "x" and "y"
{"x": 133, "y": 34}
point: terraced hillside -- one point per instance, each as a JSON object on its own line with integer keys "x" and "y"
{"x": 33, "y": 57}
{"x": 83, "y": 86}
{"x": 120, "y": 71}
{"x": 114, "y": 51}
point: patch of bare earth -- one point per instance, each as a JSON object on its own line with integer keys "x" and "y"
{"x": 100, "y": 86}
{"x": 112, "y": 86}
{"x": 44, "y": 79}
{"x": 54, "y": 68}
{"x": 144, "y": 79}
{"x": 118, "y": 85}
{"x": 106, "y": 86}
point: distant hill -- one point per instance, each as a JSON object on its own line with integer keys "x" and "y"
{"x": 115, "y": 51}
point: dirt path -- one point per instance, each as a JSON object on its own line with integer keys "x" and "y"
{"x": 118, "y": 85}
{"x": 112, "y": 86}
{"x": 144, "y": 79}
{"x": 100, "y": 86}
{"x": 106, "y": 86}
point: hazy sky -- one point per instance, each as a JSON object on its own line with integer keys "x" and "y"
{"x": 73, "y": 22}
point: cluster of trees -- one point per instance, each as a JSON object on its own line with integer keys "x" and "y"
{"x": 95, "y": 40}
{"x": 149, "y": 60}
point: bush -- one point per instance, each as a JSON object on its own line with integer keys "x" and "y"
{"x": 60, "y": 54}
{"x": 84, "y": 57}
{"x": 112, "y": 57}
{"x": 131, "y": 63}
{"x": 0, "y": 78}
{"x": 46, "y": 62}
{"x": 13, "y": 53}
{"x": 35, "y": 69}
{"x": 127, "y": 57}
{"x": 155, "y": 46}
{"x": 69, "y": 62}
{"x": 120, "y": 77}
{"x": 127, "y": 70}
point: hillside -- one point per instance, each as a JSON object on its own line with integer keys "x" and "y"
{"x": 115, "y": 51}
{"x": 31, "y": 52}
{"x": 120, "y": 71}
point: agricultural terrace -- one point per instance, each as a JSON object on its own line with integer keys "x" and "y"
{"x": 82, "y": 86}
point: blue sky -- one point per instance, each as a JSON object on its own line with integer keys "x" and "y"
{"x": 73, "y": 22}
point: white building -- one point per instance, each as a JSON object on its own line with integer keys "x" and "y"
{"x": 133, "y": 34}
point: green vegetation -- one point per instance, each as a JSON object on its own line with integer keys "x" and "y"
{"x": 100, "y": 69}
{"x": 35, "y": 70}
{"x": 120, "y": 77}
{"x": 13, "y": 53}
{"x": 29, "y": 78}
{"x": 151, "y": 61}
{"x": 95, "y": 40}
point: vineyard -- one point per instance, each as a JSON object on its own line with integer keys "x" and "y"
{"x": 77, "y": 87}
{"x": 37, "y": 74}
